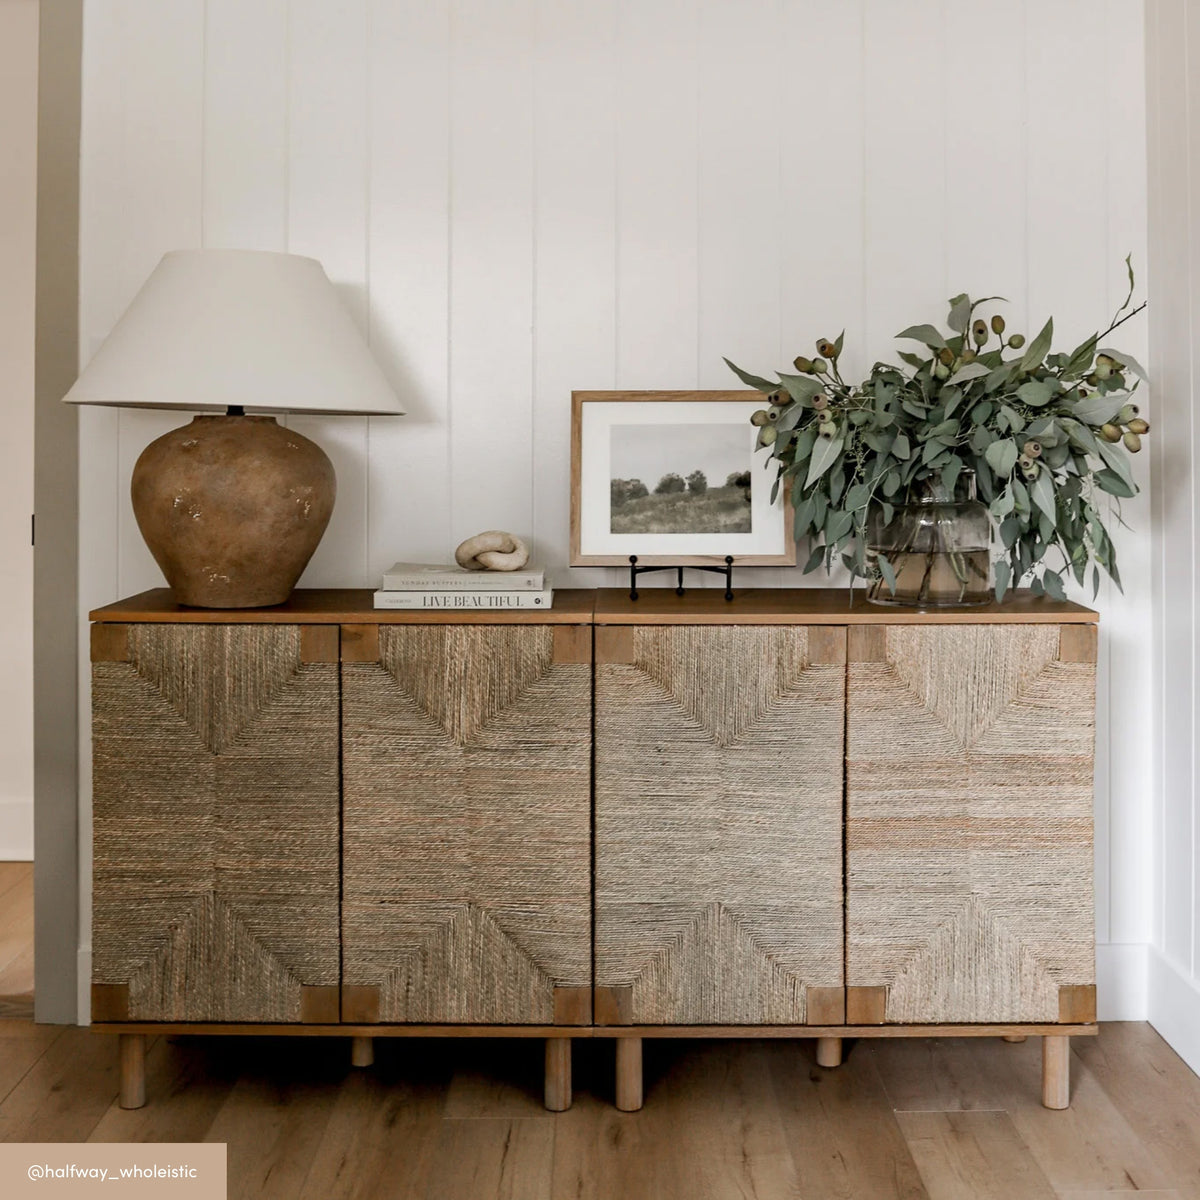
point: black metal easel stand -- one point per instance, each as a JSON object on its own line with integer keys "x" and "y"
{"x": 635, "y": 571}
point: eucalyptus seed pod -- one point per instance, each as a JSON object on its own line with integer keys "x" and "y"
{"x": 1092, "y": 379}
{"x": 1127, "y": 413}
{"x": 945, "y": 355}
{"x": 1032, "y": 449}
{"x": 760, "y": 418}
{"x": 1025, "y": 461}
{"x": 819, "y": 366}
{"x": 1110, "y": 432}
{"x": 827, "y": 348}
{"x": 820, "y": 402}
{"x": 968, "y": 355}
{"x": 767, "y": 435}
{"x": 1030, "y": 472}
{"x": 997, "y": 324}
{"x": 1101, "y": 370}
{"x": 941, "y": 371}
{"x": 827, "y": 429}
{"x": 1133, "y": 443}
{"x": 1016, "y": 341}
{"x": 979, "y": 331}
{"x": 1137, "y": 425}
{"x": 802, "y": 364}
{"x": 774, "y": 413}
{"x": 1106, "y": 360}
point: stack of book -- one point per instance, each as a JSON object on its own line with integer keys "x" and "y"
{"x": 435, "y": 585}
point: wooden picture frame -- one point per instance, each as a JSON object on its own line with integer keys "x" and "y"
{"x": 767, "y": 539}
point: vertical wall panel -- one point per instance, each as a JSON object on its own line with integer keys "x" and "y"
{"x": 1128, "y": 856}
{"x": 905, "y": 181}
{"x": 491, "y": 266}
{"x": 327, "y": 218}
{"x": 657, "y": 254}
{"x": 1174, "y": 370}
{"x": 575, "y": 89}
{"x": 409, "y": 237}
{"x": 738, "y": 230}
{"x": 162, "y": 116}
{"x": 246, "y": 124}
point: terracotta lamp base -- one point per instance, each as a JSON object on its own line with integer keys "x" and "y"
{"x": 232, "y": 509}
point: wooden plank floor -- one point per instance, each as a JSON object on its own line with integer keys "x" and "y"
{"x": 444, "y": 1120}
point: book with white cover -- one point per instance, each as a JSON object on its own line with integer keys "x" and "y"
{"x": 438, "y": 577}
{"x": 463, "y": 601}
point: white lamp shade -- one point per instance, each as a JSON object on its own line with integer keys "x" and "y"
{"x": 214, "y": 328}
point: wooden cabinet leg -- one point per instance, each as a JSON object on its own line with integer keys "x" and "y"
{"x": 1014, "y": 1037}
{"x": 1056, "y": 1071}
{"x": 829, "y": 1052}
{"x": 133, "y": 1070}
{"x": 558, "y": 1074}
{"x": 362, "y": 1051}
{"x": 629, "y": 1073}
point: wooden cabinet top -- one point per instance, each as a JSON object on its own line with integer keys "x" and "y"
{"x": 609, "y": 606}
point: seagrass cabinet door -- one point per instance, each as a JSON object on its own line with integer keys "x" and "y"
{"x": 466, "y": 823}
{"x": 969, "y": 823}
{"x": 719, "y": 824}
{"x": 215, "y": 817}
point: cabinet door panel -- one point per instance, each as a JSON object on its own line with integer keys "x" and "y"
{"x": 467, "y": 774}
{"x": 719, "y": 821}
{"x": 215, "y": 817}
{"x": 969, "y": 831}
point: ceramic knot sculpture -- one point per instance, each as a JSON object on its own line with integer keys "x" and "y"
{"x": 492, "y": 550}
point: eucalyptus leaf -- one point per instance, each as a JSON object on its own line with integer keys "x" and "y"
{"x": 1131, "y": 362}
{"x": 1116, "y": 461}
{"x": 1038, "y": 347}
{"x": 1002, "y": 456}
{"x": 900, "y": 447}
{"x": 1036, "y": 392}
{"x": 801, "y": 388}
{"x": 1041, "y": 492}
{"x": 969, "y": 371}
{"x": 1099, "y": 408}
{"x": 1003, "y": 573}
{"x": 960, "y": 314}
{"x": 1112, "y": 483}
{"x": 1052, "y": 583}
{"x": 825, "y": 453}
{"x": 815, "y": 559}
{"x": 889, "y": 575}
{"x": 754, "y": 381}
{"x": 926, "y": 334}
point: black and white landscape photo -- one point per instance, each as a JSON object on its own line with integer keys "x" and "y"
{"x": 681, "y": 478}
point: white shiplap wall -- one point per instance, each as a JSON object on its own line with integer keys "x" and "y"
{"x": 521, "y": 197}
{"x": 1173, "y": 42}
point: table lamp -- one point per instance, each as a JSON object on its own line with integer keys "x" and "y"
{"x": 233, "y": 506}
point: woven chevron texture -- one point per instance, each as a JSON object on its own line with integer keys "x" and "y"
{"x": 215, "y": 775}
{"x": 719, "y": 824}
{"x": 969, "y": 831}
{"x": 467, "y": 859}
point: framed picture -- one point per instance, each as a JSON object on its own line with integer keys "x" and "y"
{"x": 673, "y": 477}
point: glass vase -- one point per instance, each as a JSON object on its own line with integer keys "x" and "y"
{"x": 938, "y": 547}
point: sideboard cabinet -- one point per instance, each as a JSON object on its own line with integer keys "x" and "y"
{"x": 779, "y": 816}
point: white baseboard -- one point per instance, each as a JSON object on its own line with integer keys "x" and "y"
{"x": 1121, "y": 982}
{"x": 83, "y": 1001}
{"x": 16, "y": 830}
{"x": 1175, "y": 1008}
